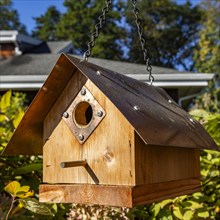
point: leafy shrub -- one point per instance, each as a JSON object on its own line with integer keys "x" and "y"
{"x": 25, "y": 169}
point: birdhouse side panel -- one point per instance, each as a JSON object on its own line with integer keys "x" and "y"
{"x": 108, "y": 151}
{"x": 157, "y": 164}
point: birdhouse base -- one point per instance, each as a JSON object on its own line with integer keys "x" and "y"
{"x": 124, "y": 196}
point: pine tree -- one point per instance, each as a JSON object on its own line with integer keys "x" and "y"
{"x": 207, "y": 55}
{"x": 78, "y": 23}
{"x": 169, "y": 30}
{"x": 46, "y": 25}
{"x": 9, "y": 18}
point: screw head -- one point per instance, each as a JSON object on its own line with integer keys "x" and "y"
{"x": 83, "y": 91}
{"x": 65, "y": 115}
{"x": 136, "y": 108}
{"x": 81, "y": 137}
{"x": 100, "y": 113}
{"x": 191, "y": 120}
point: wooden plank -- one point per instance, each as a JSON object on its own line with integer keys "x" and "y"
{"x": 124, "y": 196}
{"x": 156, "y": 164}
{"x": 87, "y": 194}
{"x": 159, "y": 191}
{"x": 109, "y": 151}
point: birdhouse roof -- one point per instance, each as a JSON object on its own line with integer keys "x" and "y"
{"x": 156, "y": 118}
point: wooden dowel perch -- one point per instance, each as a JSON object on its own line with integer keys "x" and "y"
{"x": 73, "y": 164}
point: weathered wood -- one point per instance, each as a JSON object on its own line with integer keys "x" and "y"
{"x": 165, "y": 190}
{"x": 109, "y": 148}
{"x": 124, "y": 196}
{"x": 87, "y": 194}
{"x": 155, "y": 164}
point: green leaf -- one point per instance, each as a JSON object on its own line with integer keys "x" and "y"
{"x": 54, "y": 207}
{"x": 23, "y": 195}
{"x": 197, "y": 195}
{"x": 5, "y": 101}
{"x": 165, "y": 202}
{"x": 216, "y": 161}
{"x": 188, "y": 215}
{"x": 156, "y": 209}
{"x": 18, "y": 118}
{"x": 199, "y": 113}
{"x": 177, "y": 213}
{"x": 192, "y": 205}
{"x": 203, "y": 214}
{"x": 16, "y": 190}
{"x": 165, "y": 214}
{"x": 12, "y": 187}
{"x": 35, "y": 206}
{"x": 23, "y": 189}
{"x": 2, "y": 117}
{"x": 28, "y": 168}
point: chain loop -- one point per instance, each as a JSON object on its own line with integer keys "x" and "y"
{"x": 142, "y": 41}
{"x": 98, "y": 27}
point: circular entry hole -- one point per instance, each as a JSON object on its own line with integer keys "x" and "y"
{"x": 83, "y": 113}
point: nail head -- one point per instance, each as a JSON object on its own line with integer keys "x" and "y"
{"x": 65, "y": 115}
{"x": 81, "y": 137}
{"x": 136, "y": 108}
{"x": 100, "y": 113}
{"x": 83, "y": 91}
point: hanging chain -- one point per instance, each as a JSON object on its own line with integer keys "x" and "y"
{"x": 142, "y": 41}
{"x": 98, "y": 27}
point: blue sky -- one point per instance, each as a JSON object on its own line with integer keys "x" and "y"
{"x": 28, "y": 9}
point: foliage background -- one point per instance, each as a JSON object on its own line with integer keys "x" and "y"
{"x": 181, "y": 36}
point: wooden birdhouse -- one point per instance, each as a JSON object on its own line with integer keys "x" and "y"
{"x": 108, "y": 139}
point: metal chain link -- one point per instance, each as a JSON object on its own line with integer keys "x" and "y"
{"x": 98, "y": 27}
{"x": 142, "y": 41}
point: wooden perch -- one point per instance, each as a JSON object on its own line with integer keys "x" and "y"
{"x": 73, "y": 163}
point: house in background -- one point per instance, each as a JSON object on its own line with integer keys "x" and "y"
{"x": 25, "y": 63}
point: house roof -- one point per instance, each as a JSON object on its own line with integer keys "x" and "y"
{"x": 52, "y": 47}
{"x": 28, "y": 64}
{"x": 154, "y": 115}
{"x": 28, "y": 44}
{"x": 29, "y": 71}
{"x": 13, "y": 36}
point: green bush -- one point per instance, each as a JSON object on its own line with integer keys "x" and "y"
{"x": 25, "y": 169}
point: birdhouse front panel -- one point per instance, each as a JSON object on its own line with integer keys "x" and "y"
{"x": 108, "y": 151}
